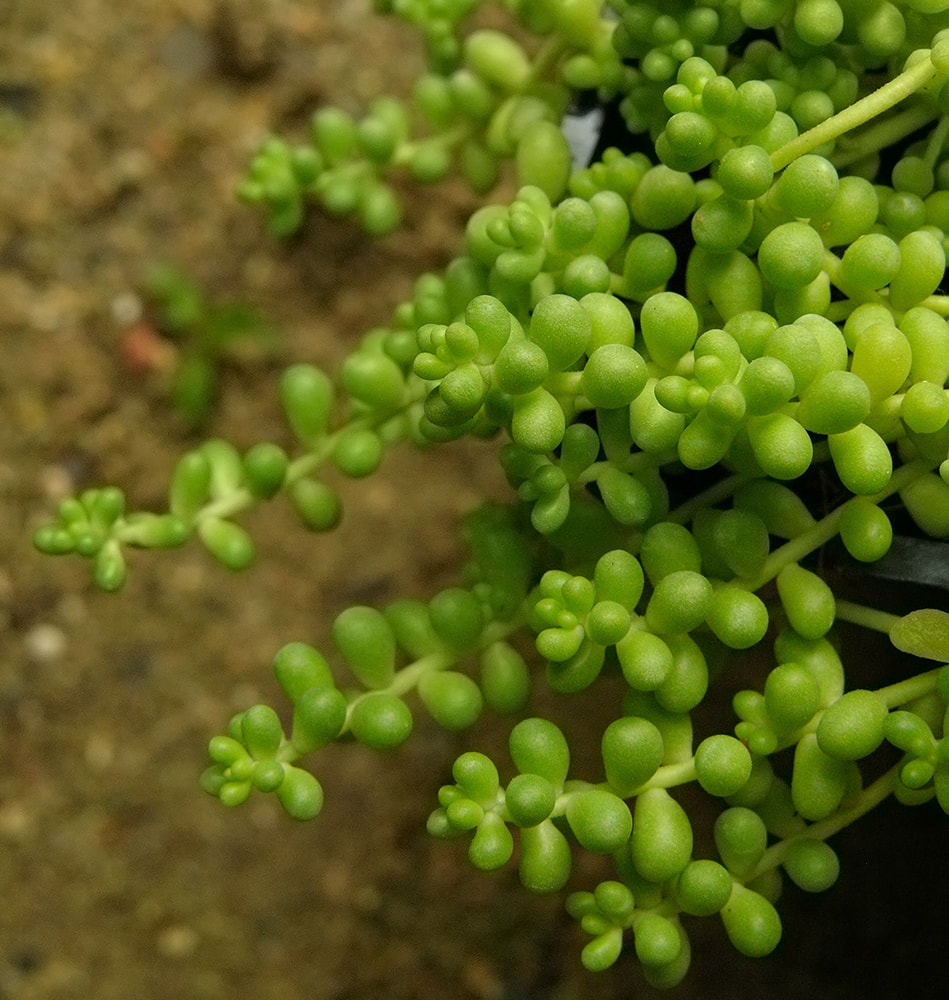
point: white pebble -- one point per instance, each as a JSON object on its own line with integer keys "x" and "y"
{"x": 45, "y": 643}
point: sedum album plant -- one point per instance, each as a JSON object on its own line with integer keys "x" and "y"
{"x": 713, "y": 362}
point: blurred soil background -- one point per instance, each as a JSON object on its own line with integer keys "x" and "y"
{"x": 124, "y": 130}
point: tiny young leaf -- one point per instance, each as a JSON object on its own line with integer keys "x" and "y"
{"x": 923, "y": 633}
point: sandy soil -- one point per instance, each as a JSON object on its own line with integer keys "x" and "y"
{"x": 124, "y": 129}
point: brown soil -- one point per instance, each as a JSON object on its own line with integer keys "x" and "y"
{"x": 124, "y": 129}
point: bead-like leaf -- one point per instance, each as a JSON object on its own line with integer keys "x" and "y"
{"x": 923, "y": 633}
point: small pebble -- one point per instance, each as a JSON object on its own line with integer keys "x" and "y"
{"x": 177, "y": 941}
{"x": 99, "y": 752}
{"x": 45, "y": 643}
{"x": 56, "y": 482}
{"x": 126, "y": 308}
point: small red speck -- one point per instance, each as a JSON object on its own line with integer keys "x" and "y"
{"x": 144, "y": 351}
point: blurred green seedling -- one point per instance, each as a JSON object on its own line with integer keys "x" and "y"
{"x": 207, "y": 335}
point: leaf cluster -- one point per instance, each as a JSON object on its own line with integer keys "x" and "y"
{"x": 700, "y": 366}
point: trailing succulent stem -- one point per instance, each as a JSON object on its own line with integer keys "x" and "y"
{"x": 714, "y": 363}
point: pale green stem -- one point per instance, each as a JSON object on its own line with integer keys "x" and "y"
{"x": 638, "y": 461}
{"x": 857, "y": 614}
{"x": 667, "y": 776}
{"x": 864, "y": 110}
{"x": 715, "y": 493}
{"x": 937, "y": 142}
{"x": 837, "y": 312}
{"x": 903, "y": 692}
{"x": 670, "y": 775}
{"x": 825, "y": 529}
{"x": 548, "y": 54}
{"x": 881, "y": 135}
{"x": 450, "y": 139}
{"x": 775, "y": 855}
{"x": 894, "y": 695}
{"x": 243, "y": 499}
{"x": 408, "y": 678}
{"x": 938, "y": 304}
{"x": 868, "y": 799}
